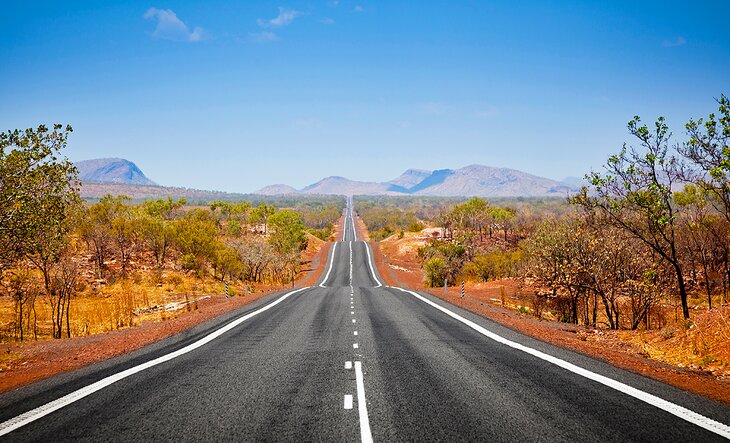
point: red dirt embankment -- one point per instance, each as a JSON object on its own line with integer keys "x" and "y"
{"x": 26, "y": 362}
{"x": 398, "y": 264}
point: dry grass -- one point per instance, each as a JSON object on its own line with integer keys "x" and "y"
{"x": 124, "y": 303}
{"x": 703, "y": 343}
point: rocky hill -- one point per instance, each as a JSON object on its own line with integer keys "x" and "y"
{"x": 112, "y": 170}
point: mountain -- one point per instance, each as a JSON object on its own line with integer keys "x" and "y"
{"x": 111, "y": 170}
{"x": 473, "y": 180}
{"x": 410, "y": 178}
{"x": 341, "y": 185}
{"x": 487, "y": 181}
{"x": 277, "y": 189}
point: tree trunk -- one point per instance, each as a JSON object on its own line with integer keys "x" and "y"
{"x": 682, "y": 290}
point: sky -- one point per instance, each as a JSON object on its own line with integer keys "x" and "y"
{"x": 234, "y": 96}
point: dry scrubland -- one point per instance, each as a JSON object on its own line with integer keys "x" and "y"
{"x": 119, "y": 275}
{"x": 639, "y": 258}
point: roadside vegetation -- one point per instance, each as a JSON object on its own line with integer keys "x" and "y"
{"x": 70, "y": 267}
{"x": 644, "y": 245}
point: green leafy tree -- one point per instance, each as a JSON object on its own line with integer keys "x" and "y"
{"x": 195, "y": 237}
{"x": 261, "y": 215}
{"x": 37, "y": 192}
{"x": 38, "y": 205}
{"x": 635, "y": 195}
{"x": 288, "y": 233}
{"x": 156, "y": 227}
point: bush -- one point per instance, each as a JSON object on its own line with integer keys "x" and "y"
{"x": 322, "y": 234}
{"x": 493, "y": 265}
{"x": 436, "y": 271}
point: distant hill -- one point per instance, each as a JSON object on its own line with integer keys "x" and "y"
{"x": 341, "y": 185}
{"x": 277, "y": 190}
{"x": 473, "y": 180}
{"x": 410, "y": 178}
{"x": 486, "y": 181}
{"x": 112, "y": 170}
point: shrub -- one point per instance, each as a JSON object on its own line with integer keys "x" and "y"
{"x": 436, "y": 271}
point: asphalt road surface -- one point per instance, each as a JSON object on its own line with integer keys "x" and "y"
{"x": 350, "y": 359}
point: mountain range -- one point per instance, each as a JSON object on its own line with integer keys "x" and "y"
{"x": 474, "y": 180}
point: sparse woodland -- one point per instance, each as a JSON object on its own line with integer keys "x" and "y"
{"x": 643, "y": 244}
{"x": 71, "y": 268}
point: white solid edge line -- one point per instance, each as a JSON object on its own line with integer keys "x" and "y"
{"x": 362, "y": 408}
{"x": 354, "y": 231}
{"x": 370, "y": 260}
{"x": 348, "y": 401}
{"x": 41, "y": 411}
{"x": 332, "y": 259}
{"x": 674, "y": 409}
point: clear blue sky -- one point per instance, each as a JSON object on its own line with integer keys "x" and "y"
{"x": 237, "y": 95}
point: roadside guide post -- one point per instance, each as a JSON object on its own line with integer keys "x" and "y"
{"x": 462, "y": 289}
{"x": 226, "y": 282}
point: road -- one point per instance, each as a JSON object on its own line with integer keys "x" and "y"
{"x": 350, "y": 359}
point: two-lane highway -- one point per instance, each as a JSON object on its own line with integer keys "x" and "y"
{"x": 350, "y": 359}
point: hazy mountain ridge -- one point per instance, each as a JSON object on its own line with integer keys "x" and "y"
{"x": 472, "y": 180}
{"x": 116, "y": 175}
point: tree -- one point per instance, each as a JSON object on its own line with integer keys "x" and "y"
{"x": 156, "y": 226}
{"x": 451, "y": 260}
{"x": 107, "y": 225}
{"x": 261, "y": 214}
{"x": 36, "y": 191}
{"x": 703, "y": 248}
{"x": 195, "y": 237}
{"x": 24, "y": 291}
{"x": 256, "y": 254}
{"x": 708, "y": 151}
{"x": 287, "y": 232}
{"x": 635, "y": 195}
{"x": 39, "y": 200}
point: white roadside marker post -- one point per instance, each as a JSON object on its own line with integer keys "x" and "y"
{"x": 463, "y": 291}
